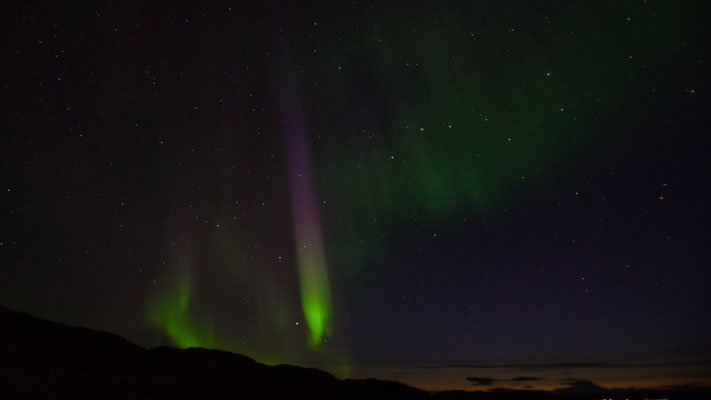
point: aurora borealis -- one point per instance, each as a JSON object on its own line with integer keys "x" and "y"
{"x": 308, "y": 240}
{"x": 369, "y": 188}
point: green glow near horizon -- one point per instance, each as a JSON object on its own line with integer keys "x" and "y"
{"x": 171, "y": 312}
{"x": 315, "y": 295}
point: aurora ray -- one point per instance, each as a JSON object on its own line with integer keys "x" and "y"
{"x": 171, "y": 312}
{"x": 308, "y": 239}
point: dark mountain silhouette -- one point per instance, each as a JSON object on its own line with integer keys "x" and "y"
{"x": 43, "y": 359}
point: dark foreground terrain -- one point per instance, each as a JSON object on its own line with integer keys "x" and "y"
{"x": 42, "y": 359}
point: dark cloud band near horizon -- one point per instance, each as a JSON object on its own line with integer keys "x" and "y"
{"x": 569, "y": 365}
{"x": 477, "y": 381}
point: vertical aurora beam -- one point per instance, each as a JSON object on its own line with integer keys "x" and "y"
{"x": 308, "y": 240}
{"x": 170, "y": 310}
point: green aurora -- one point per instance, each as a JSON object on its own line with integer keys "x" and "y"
{"x": 171, "y": 312}
{"x": 460, "y": 114}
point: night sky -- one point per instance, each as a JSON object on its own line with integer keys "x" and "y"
{"x": 424, "y": 191}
